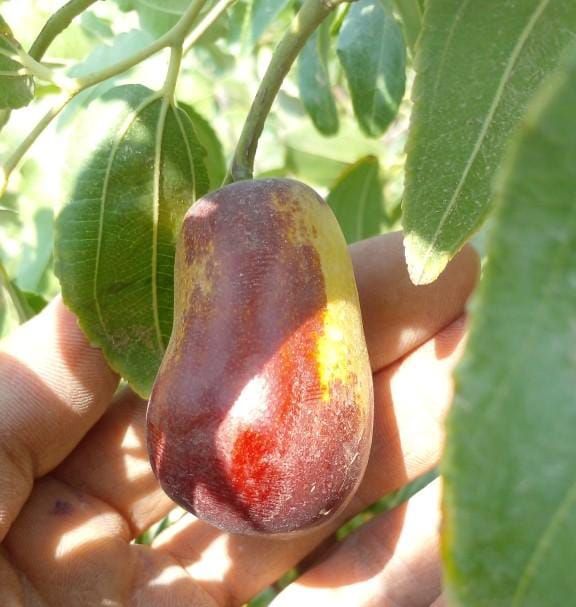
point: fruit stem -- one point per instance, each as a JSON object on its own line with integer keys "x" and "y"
{"x": 308, "y": 18}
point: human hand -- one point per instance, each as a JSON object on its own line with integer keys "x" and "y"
{"x": 76, "y": 486}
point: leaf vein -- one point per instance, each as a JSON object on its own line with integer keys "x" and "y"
{"x": 525, "y": 34}
{"x": 131, "y": 119}
{"x": 155, "y": 219}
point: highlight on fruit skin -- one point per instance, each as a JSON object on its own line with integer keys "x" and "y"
{"x": 260, "y": 419}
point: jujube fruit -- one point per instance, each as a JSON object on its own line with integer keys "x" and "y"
{"x": 260, "y": 419}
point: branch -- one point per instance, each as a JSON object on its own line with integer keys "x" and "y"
{"x": 56, "y": 24}
{"x": 309, "y": 17}
{"x": 16, "y": 156}
{"x": 173, "y": 38}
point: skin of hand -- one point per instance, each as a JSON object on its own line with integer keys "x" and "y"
{"x": 76, "y": 487}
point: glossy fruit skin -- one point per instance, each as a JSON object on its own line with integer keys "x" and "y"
{"x": 260, "y": 419}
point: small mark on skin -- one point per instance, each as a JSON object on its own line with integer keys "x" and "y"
{"x": 62, "y": 508}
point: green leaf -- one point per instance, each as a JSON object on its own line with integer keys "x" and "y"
{"x": 158, "y": 16}
{"x": 125, "y": 5}
{"x": 373, "y": 54}
{"x": 114, "y": 241}
{"x": 16, "y": 90}
{"x": 36, "y": 259}
{"x": 478, "y": 64}
{"x": 263, "y": 13}
{"x": 316, "y": 159}
{"x": 96, "y": 27}
{"x": 410, "y": 12}
{"x": 8, "y": 316}
{"x": 314, "y": 82}
{"x": 208, "y": 140}
{"x": 357, "y": 200}
{"x": 32, "y": 303}
{"x": 107, "y": 54}
{"x": 16, "y": 306}
{"x": 238, "y": 15}
{"x": 510, "y": 484}
{"x": 101, "y": 57}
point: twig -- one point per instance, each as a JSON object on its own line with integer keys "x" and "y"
{"x": 174, "y": 38}
{"x": 16, "y": 156}
{"x": 209, "y": 18}
{"x": 308, "y": 18}
{"x": 56, "y": 24}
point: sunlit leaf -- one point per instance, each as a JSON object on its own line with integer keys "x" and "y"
{"x": 96, "y": 27}
{"x": 373, "y": 54}
{"x": 321, "y": 160}
{"x": 478, "y": 64}
{"x": 214, "y": 160}
{"x": 115, "y": 239}
{"x": 16, "y": 90}
{"x": 8, "y": 315}
{"x": 101, "y": 57}
{"x": 158, "y": 16}
{"x": 509, "y": 466}
{"x": 125, "y": 5}
{"x": 357, "y": 201}
{"x": 410, "y": 12}
{"x": 314, "y": 82}
{"x": 262, "y": 14}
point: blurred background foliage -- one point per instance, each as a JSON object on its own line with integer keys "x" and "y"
{"x": 320, "y": 131}
{"x": 312, "y": 133}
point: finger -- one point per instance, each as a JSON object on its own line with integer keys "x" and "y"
{"x": 407, "y": 441}
{"x": 411, "y": 400}
{"x": 72, "y": 549}
{"x": 440, "y": 602}
{"x": 399, "y": 316}
{"x": 63, "y": 535}
{"x": 112, "y": 464}
{"x": 53, "y": 388}
{"x": 393, "y": 560}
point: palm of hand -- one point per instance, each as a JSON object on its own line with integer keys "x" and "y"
{"x": 76, "y": 487}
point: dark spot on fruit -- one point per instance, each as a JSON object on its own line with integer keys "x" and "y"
{"x": 62, "y": 508}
